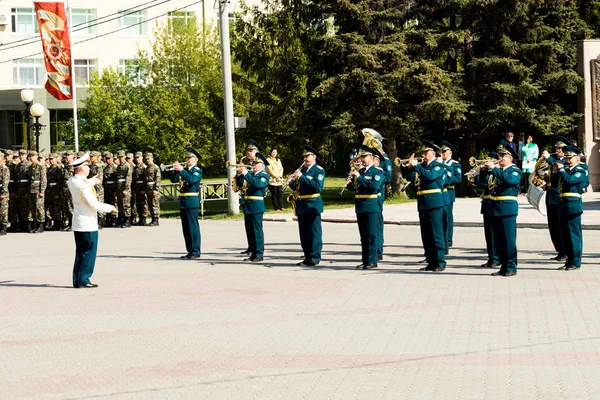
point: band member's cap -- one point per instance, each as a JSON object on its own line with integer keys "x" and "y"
{"x": 561, "y": 141}
{"x": 149, "y": 155}
{"x": 372, "y": 132}
{"x": 81, "y": 161}
{"x": 253, "y": 145}
{"x": 504, "y": 148}
{"x": 571, "y": 151}
{"x": 261, "y": 159}
{"x": 309, "y": 150}
{"x": 429, "y": 145}
{"x": 121, "y": 153}
{"x": 493, "y": 155}
{"x": 190, "y": 155}
{"x": 448, "y": 146}
{"x": 369, "y": 151}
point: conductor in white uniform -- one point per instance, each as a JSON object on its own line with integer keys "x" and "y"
{"x": 85, "y": 221}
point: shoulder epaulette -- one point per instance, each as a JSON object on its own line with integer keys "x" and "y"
{"x": 381, "y": 169}
{"x": 319, "y": 167}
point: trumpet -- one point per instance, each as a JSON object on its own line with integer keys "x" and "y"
{"x": 404, "y": 163}
{"x": 354, "y": 165}
{"x": 228, "y": 164}
{"x": 165, "y": 168}
{"x": 473, "y": 162}
{"x": 290, "y": 179}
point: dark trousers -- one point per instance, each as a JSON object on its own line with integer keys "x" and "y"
{"x": 255, "y": 234}
{"x": 572, "y": 238}
{"x": 432, "y": 235}
{"x": 86, "y": 245}
{"x": 276, "y": 196}
{"x": 505, "y": 241}
{"x": 191, "y": 230}
{"x": 554, "y": 225}
{"x": 311, "y": 236}
{"x": 368, "y": 227}
{"x": 450, "y": 221}
{"x": 380, "y": 226}
{"x": 489, "y": 240}
{"x": 445, "y": 222}
{"x": 526, "y": 181}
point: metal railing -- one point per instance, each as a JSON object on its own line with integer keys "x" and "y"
{"x": 208, "y": 191}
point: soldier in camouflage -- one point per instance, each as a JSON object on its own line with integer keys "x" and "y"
{"x": 54, "y": 190}
{"x": 123, "y": 178}
{"x": 152, "y": 179}
{"x": 110, "y": 187}
{"x": 66, "y": 199}
{"x": 97, "y": 171}
{"x": 37, "y": 190}
{"x": 13, "y": 215}
{"x": 138, "y": 189}
{"x": 133, "y": 216}
{"x": 4, "y": 194}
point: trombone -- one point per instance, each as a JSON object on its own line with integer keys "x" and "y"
{"x": 404, "y": 162}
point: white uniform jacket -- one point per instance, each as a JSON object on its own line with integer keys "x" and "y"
{"x": 85, "y": 204}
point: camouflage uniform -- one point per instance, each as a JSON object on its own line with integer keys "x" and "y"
{"x": 54, "y": 193}
{"x": 152, "y": 179}
{"x": 37, "y": 190}
{"x": 123, "y": 178}
{"x": 66, "y": 199}
{"x": 13, "y": 207}
{"x": 97, "y": 170}
{"x": 4, "y": 195}
{"x": 138, "y": 189}
{"x": 110, "y": 188}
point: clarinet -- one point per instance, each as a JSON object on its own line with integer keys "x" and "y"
{"x": 290, "y": 179}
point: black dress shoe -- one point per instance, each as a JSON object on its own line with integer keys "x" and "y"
{"x": 192, "y": 256}
{"x": 499, "y": 273}
{"x": 359, "y": 266}
{"x": 559, "y": 258}
{"x": 563, "y": 267}
{"x": 254, "y": 259}
{"x": 510, "y": 273}
{"x": 379, "y": 258}
{"x": 246, "y": 252}
{"x": 427, "y": 268}
{"x": 306, "y": 264}
{"x": 439, "y": 269}
{"x": 369, "y": 266}
{"x": 186, "y": 256}
{"x": 86, "y": 286}
{"x": 423, "y": 261}
{"x": 572, "y": 268}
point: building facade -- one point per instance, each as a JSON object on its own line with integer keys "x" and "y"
{"x": 105, "y": 34}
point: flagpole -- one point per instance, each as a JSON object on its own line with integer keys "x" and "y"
{"x": 73, "y": 86}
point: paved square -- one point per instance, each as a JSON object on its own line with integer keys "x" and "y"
{"x": 162, "y": 328}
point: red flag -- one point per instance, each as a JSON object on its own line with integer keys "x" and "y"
{"x": 54, "y": 31}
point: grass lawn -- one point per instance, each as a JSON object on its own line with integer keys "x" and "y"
{"x": 217, "y": 209}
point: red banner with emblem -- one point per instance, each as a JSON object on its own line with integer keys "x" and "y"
{"x": 54, "y": 31}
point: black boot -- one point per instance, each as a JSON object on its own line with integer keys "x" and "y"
{"x": 126, "y": 223}
{"x": 39, "y": 227}
{"x": 142, "y": 222}
{"x": 3, "y": 230}
{"x": 66, "y": 226}
{"x": 56, "y": 226}
{"x": 101, "y": 220}
{"x": 31, "y": 227}
{"x": 48, "y": 224}
{"x": 154, "y": 222}
{"x": 13, "y": 228}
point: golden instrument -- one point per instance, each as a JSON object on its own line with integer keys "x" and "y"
{"x": 540, "y": 175}
{"x": 473, "y": 162}
{"x": 228, "y": 164}
{"x": 404, "y": 163}
{"x": 291, "y": 177}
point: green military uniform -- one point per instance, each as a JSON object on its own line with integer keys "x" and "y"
{"x": 308, "y": 206}
{"x": 386, "y": 166}
{"x": 37, "y": 191}
{"x": 13, "y": 215}
{"x": 367, "y": 191}
{"x": 428, "y": 180}
{"x": 23, "y": 187}
{"x": 152, "y": 177}
{"x": 123, "y": 183}
{"x": 454, "y": 179}
{"x": 485, "y": 181}
{"x": 110, "y": 187}
{"x": 553, "y": 201}
{"x": 189, "y": 186}
{"x": 4, "y": 195}
{"x": 254, "y": 188}
{"x": 138, "y": 190}
{"x": 504, "y": 192}
{"x": 572, "y": 183}
{"x": 97, "y": 170}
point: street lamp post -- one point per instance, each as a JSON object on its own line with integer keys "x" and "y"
{"x": 37, "y": 110}
{"x": 27, "y": 98}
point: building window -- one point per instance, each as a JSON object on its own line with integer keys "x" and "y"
{"x": 82, "y": 18}
{"x": 24, "y": 21}
{"x": 184, "y": 17}
{"x": 133, "y": 23}
{"x": 83, "y": 71}
{"x": 132, "y": 71}
{"x": 29, "y": 72}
